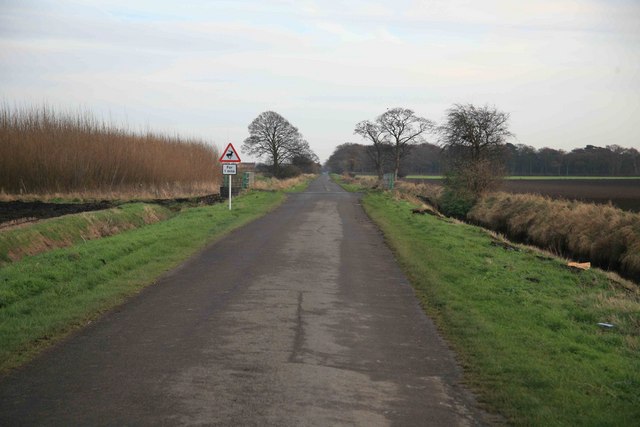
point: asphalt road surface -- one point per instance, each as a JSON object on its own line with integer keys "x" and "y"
{"x": 300, "y": 318}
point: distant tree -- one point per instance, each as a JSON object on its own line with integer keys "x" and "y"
{"x": 306, "y": 163}
{"x": 351, "y": 158}
{"x": 589, "y": 161}
{"x": 474, "y": 139}
{"x": 631, "y": 162}
{"x": 550, "y": 161}
{"x": 612, "y": 160}
{"x": 425, "y": 159}
{"x": 402, "y": 128}
{"x": 528, "y": 157}
{"x": 272, "y": 136}
{"x": 475, "y": 132}
{"x": 379, "y": 151}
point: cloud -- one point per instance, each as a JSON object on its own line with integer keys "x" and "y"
{"x": 211, "y": 67}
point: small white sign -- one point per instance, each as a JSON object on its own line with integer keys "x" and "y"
{"x": 229, "y": 169}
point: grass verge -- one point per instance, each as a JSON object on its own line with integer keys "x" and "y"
{"x": 45, "y": 297}
{"x": 524, "y": 326}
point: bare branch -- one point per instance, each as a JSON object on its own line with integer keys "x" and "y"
{"x": 379, "y": 150}
{"x": 272, "y": 136}
{"x": 474, "y": 139}
{"x": 403, "y": 129}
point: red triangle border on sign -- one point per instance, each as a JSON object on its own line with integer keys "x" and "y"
{"x": 224, "y": 159}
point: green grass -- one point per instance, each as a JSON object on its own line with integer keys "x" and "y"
{"x": 44, "y": 297}
{"x": 71, "y": 229}
{"x": 524, "y": 326}
{"x": 535, "y": 178}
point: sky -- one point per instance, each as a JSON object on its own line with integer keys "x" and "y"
{"x": 567, "y": 71}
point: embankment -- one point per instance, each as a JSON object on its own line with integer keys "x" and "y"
{"x": 32, "y": 239}
{"x": 602, "y": 234}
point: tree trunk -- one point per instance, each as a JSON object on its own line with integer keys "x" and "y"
{"x": 397, "y": 166}
{"x": 276, "y": 166}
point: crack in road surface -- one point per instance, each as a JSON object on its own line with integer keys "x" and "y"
{"x": 300, "y": 318}
{"x": 299, "y": 329}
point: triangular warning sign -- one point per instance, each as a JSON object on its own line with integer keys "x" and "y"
{"x": 229, "y": 155}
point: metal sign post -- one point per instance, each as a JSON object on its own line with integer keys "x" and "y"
{"x": 229, "y": 170}
{"x": 229, "y": 160}
{"x": 230, "y": 176}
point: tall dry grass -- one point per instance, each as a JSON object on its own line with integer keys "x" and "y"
{"x": 45, "y": 152}
{"x": 429, "y": 193}
{"x": 602, "y": 234}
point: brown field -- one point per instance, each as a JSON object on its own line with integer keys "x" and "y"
{"x": 622, "y": 193}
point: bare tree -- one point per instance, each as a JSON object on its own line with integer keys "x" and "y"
{"x": 402, "y": 128}
{"x": 475, "y": 132}
{"x": 272, "y": 135}
{"x": 307, "y": 163}
{"x": 379, "y": 151}
{"x": 474, "y": 139}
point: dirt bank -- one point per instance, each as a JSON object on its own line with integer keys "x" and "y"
{"x": 22, "y": 211}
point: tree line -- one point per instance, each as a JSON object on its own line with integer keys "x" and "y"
{"x": 474, "y": 153}
{"x": 472, "y": 140}
{"x": 521, "y": 160}
{"x": 611, "y": 160}
{"x": 425, "y": 159}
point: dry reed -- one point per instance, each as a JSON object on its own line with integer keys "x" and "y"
{"x": 426, "y": 192}
{"x": 44, "y": 152}
{"x": 606, "y": 236}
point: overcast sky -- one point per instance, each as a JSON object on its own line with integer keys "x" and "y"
{"x": 568, "y": 72}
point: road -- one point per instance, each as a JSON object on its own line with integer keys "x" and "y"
{"x": 301, "y": 318}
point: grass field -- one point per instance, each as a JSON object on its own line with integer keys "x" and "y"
{"x": 524, "y": 326}
{"x": 46, "y": 296}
